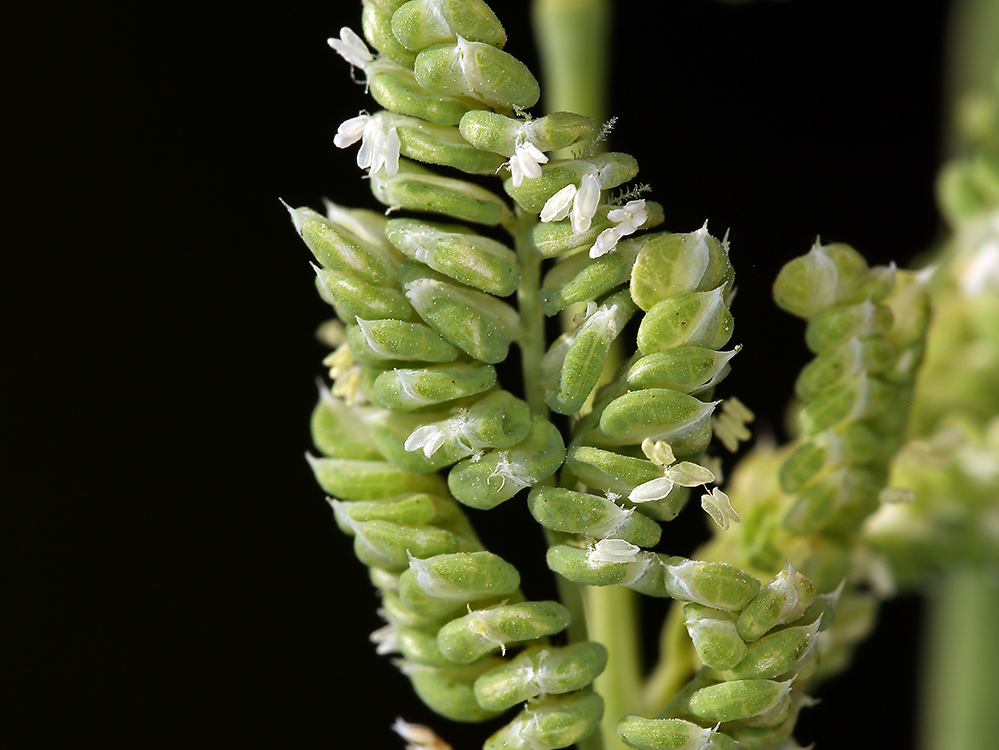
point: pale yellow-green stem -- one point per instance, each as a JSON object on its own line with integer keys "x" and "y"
{"x": 676, "y": 664}
{"x": 960, "y": 679}
{"x": 612, "y": 618}
{"x": 960, "y": 676}
{"x": 973, "y": 56}
{"x": 574, "y": 42}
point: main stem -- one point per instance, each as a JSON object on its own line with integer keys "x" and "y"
{"x": 960, "y": 676}
{"x": 960, "y": 679}
{"x": 574, "y": 42}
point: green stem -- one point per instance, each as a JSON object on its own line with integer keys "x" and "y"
{"x": 960, "y": 680}
{"x": 574, "y": 42}
{"x": 676, "y": 664}
{"x": 612, "y": 619}
{"x": 972, "y": 54}
{"x": 532, "y": 317}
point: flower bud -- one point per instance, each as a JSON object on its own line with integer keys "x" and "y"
{"x": 661, "y": 414}
{"x": 350, "y": 479}
{"x": 671, "y": 264}
{"x": 550, "y": 723}
{"x": 774, "y": 654}
{"x": 477, "y": 70}
{"x": 833, "y": 366}
{"x": 573, "y": 512}
{"x": 541, "y": 671}
{"x": 688, "y": 369}
{"x": 714, "y": 636}
{"x": 852, "y": 444}
{"x": 353, "y": 298}
{"x": 855, "y": 399}
{"x": 469, "y": 258}
{"x": 387, "y": 545}
{"x": 491, "y": 131}
{"x": 670, "y": 734}
{"x": 577, "y": 360}
{"x": 610, "y": 562}
{"x": 739, "y": 699}
{"x": 486, "y": 481}
{"x": 448, "y": 690}
{"x": 418, "y": 24}
{"x": 784, "y": 599}
{"x": 376, "y": 22}
{"x": 337, "y": 432}
{"x": 415, "y": 509}
{"x": 838, "y": 501}
{"x": 579, "y": 278}
{"x": 377, "y": 342}
{"x": 418, "y": 189}
{"x": 396, "y": 89}
{"x": 475, "y": 322}
{"x": 409, "y": 389}
{"x": 826, "y": 276}
{"x": 338, "y": 249}
{"x": 689, "y": 319}
{"x": 714, "y": 584}
{"x": 466, "y": 576}
{"x": 606, "y": 470}
{"x": 837, "y": 325}
{"x": 431, "y": 143}
{"x": 483, "y": 631}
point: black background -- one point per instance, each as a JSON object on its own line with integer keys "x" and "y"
{"x": 173, "y": 573}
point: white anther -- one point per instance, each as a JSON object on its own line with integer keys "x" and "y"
{"x": 429, "y": 437}
{"x": 380, "y": 142}
{"x": 612, "y": 551}
{"x": 525, "y": 162}
{"x": 558, "y": 206}
{"x": 689, "y": 474}
{"x": 718, "y": 505}
{"x": 351, "y": 48}
{"x": 648, "y": 492}
{"x": 386, "y": 639}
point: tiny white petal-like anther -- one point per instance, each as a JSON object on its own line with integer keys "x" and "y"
{"x": 379, "y": 144}
{"x": 655, "y": 489}
{"x": 585, "y": 202}
{"x": 351, "y": 48}
{"x": 558, "y": 206}
{"x": 606, "y": 241}
{"x": 719, "y": 507}
{"x": 612, "y": 551}
{"x": 386, "y": 639}
{"x": 658, "y": 452}
{"x": 689, "y": 474}
{"x": 350, "y": 131}
{"x": 526, "y": 162}
{"x": 428, "y": 437}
